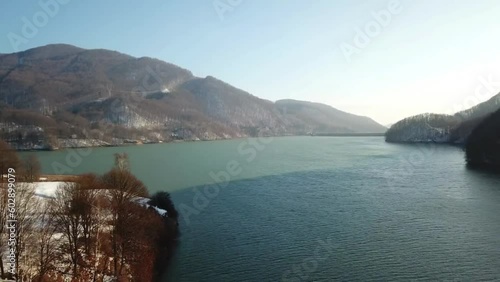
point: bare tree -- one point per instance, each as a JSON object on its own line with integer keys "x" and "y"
{"x": 3, "y": 223}
{"x": 27, "y": 212}
{"x": 142, "y": 231}
{"x": 122, "y": 161}
{"x": 31, "y": 168}
{"x": 46, "y": 246}
{"x": 101, "y": 205}
{"x": 123, "y": 187}
{"x": 67, "y": 213}
{"x": 8, "y": 159}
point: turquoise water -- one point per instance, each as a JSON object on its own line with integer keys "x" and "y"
{"x": 317, "y": 208}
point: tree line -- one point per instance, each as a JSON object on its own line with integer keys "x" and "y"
{"x": 95, "y": 228}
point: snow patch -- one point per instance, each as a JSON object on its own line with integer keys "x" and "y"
{"x": 46, "y": 189}
{"x": 144, "y": 202}
{"x": 49, "y": 189}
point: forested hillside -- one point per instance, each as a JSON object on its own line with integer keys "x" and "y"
{"x": 442, "y": 128}
{"x": 63, "y": 96}
{"x": 483, "y": 145}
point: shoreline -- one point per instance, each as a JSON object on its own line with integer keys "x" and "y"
{"x": 204, "y": 140}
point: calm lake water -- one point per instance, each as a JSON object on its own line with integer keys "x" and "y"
{"x": 317, "y": 208}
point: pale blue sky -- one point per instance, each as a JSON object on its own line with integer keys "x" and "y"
{"x": 429, "y": 57}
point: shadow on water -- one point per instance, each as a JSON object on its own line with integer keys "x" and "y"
{"x": 246, "y": 229}
{"x": 484, "y": 170}
{"x": 262, "y": 228}
{"x": 443, "y": 146}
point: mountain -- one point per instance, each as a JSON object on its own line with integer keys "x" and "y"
{"x": 307, "y": 117}
{"x": 235, "y": 108}
{"x": 483, "y": 145}
{"x": 62, "y": 94}
{"x": 442, "y": 128}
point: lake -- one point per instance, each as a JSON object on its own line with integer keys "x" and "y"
{"x": 317, "y": 208}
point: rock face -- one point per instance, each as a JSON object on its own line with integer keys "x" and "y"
{"x": 442, "y": 128}
{"x": 74, "y": 93}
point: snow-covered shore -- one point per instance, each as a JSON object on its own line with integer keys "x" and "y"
{"x": 48, "y": 190}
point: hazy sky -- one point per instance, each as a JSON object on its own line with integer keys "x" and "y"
{"x": 418, "y": 56}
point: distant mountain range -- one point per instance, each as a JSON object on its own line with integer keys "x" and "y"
{"x": 442, "y": 128}
{"x": 58, "y": 92}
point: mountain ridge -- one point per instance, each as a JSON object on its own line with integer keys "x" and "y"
{"x": 73, "y": 93}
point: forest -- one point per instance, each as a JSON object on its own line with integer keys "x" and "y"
{"x": 483, "y": 145}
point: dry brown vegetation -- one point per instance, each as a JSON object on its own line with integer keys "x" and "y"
{"x": 93, "y": 228}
